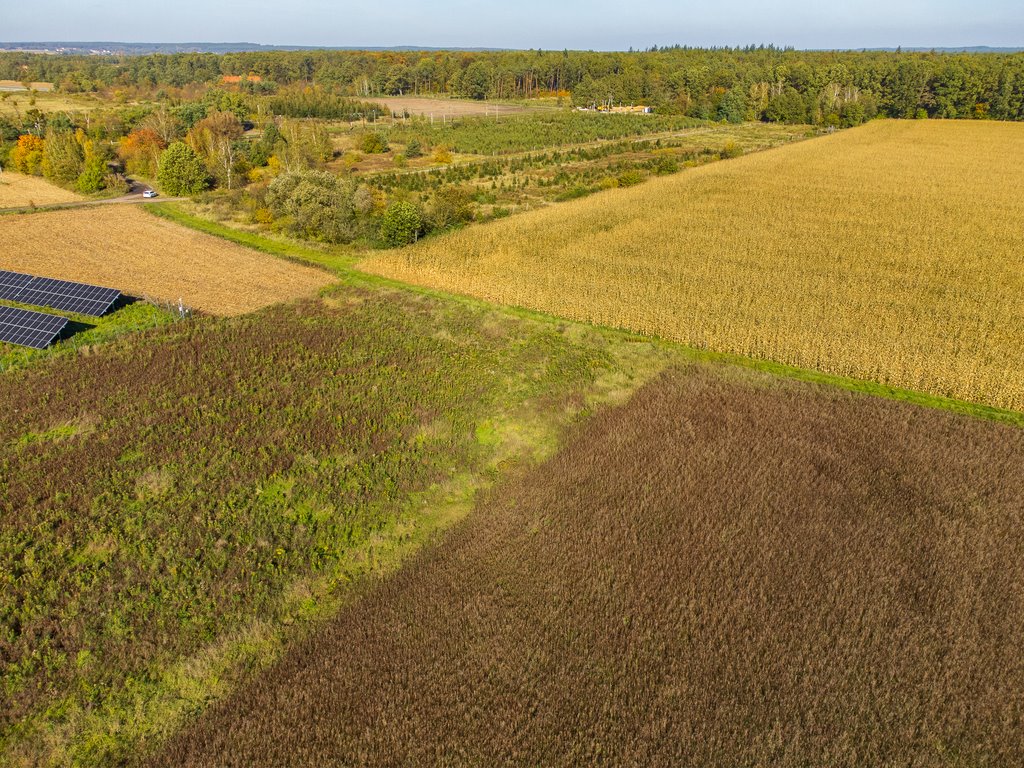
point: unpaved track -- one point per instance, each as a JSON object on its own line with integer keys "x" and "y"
{"x": 136, "y": 199}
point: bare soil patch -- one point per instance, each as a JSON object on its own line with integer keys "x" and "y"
{"x": 447, "y": 108}
{"x": 16, "y": 85}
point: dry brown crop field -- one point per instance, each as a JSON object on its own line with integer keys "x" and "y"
{"x": 18, "y": 190}
{"x": 727, "y": 570}
{"x": 892, "y": 252}
{"x": 123, "y": 247}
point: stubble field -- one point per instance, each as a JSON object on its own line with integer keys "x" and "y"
{"x": 144, "y": 256}
{"x": 891, "y": 253}
{"x": 725, "y": 571}
{"x": 17, "y": 190}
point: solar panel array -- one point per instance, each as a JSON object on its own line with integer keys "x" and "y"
{"x": 58, "y": 294}
{"x": 38, "y": 329}
{"x": 29, "y": 329}
{"x": 12, "y": 284}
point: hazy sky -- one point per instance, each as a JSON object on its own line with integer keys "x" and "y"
{"x": 549, "y": 24}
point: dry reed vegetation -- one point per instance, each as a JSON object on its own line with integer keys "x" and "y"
{"x": 891, "y": 252}
{"x": 17, "y": 190}
{"x": 720, "y": 573}
{"x": 120, "y": 246}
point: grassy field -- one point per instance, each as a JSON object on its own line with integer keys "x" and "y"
{"x": 15, "y": 103}
{"x": 145, "y": 256}
{"x": 891, "y": 253}
{"x": 17, "y": 190}
{"x": 729, "y": 571}
{"x": 197, "y": 489}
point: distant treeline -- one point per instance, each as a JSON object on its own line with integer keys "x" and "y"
{"x": 758, "y": 82}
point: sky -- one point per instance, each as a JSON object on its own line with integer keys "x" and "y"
{"x": 547, "y": 24}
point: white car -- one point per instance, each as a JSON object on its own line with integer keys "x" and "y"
{"x": 149, "y": 193}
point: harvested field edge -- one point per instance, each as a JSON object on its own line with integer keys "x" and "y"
{"x": 348, "y": 271}
{"x": 25, "y": 210}
{"x": 293, "y": 252}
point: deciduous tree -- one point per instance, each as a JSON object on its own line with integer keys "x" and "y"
{"x": 27, "y": 156}
{"x": 181, "y": 172}
{"x": 401, "y": 224}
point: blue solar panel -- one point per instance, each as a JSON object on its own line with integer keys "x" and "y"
{"x": 12, "y": 284}
{"x": 29, "y": 329}
{"x": 59, "y": 294}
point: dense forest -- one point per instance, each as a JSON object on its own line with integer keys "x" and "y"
{"x": 767, "y": 83}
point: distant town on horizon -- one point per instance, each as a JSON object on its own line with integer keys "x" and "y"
{"x": 114, "y": 48}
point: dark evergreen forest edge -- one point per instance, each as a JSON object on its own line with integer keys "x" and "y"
{"x": 776, "y": 84}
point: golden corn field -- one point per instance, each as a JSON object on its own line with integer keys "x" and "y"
{"x": 891, "y": 252}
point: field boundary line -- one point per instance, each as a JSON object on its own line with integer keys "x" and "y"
{"x": 293, "y": 252}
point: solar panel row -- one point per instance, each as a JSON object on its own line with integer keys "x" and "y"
{"x": 13, "y": 284}
{"x": 37, "y": 329}
{"x": 29, "y": 329}
{"x": 59, "y": 294}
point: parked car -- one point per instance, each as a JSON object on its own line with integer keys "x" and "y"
{"x": 149, "y": 193}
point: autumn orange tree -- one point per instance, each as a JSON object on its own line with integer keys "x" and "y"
{"x": 140, "y": 150}
{"x": 27, "y": 156}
